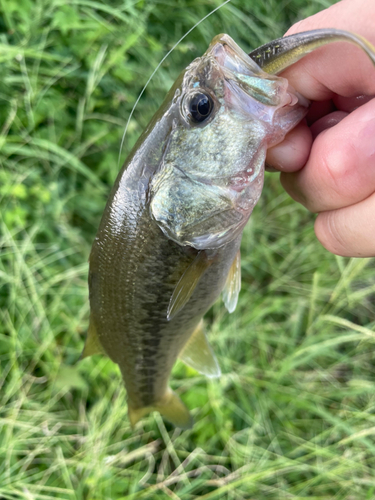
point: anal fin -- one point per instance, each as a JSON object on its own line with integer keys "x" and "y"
{"x": 233, "y": 284}
{"x": 198, "y": 354}
{"x": 188, "y": 281}
{"x": 92, "y": 344}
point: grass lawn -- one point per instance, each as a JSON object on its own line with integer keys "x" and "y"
{"x": 293, "y": 415}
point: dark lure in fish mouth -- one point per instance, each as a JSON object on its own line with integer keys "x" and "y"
{"x": 168, "y": 243}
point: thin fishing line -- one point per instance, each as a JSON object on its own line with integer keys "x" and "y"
{"x": 157, "y": 67}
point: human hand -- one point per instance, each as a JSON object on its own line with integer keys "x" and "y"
{"x": 327, "y": 163}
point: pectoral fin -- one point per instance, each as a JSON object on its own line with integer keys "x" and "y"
{"x": 188, "y": 281}
{"x": 92, "y": 344}
{"x": 233, "y": 284}
{"x": 198, "y": 354}
{"x": 171, "y": 407}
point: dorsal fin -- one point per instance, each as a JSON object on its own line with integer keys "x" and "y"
{"x": 188, "y": 281}
{"x": 198, "y": 354}
{"x": 233, "y": 284}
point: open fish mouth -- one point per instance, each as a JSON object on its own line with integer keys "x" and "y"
{"x": 230, "y": 55}
{"x": 252, "y": 91}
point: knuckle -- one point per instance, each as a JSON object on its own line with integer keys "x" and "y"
{"x": 335, "y": 172}
{"x": 336, "y": 161}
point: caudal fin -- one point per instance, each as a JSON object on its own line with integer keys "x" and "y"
{"x": 171, "y": 408}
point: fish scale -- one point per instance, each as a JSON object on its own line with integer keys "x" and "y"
{"x": 144, "y": 331}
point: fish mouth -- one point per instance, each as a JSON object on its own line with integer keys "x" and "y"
{"x": 252, "y": 92}
{"x": 230, "y": 56}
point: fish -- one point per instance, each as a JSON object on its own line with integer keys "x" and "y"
{"x": 169, "y": 240}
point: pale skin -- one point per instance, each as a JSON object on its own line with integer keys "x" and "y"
{"x": 327, "y": 163}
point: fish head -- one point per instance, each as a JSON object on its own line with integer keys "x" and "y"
{"x": 225, "y": 112}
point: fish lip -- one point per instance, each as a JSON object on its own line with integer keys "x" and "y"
{"x": 234, "y": 61}
{"x": 229, "y": 55}
{"x": 254, "y": 109}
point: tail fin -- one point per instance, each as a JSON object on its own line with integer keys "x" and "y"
{"x": 171, "y": 407}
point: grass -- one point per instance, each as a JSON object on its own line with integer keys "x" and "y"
{"x": 293, "y": 415}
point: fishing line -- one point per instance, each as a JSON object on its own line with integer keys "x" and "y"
{"x": 157, "y": 67}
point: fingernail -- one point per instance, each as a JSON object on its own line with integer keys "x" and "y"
{"x": 327, "y": 122}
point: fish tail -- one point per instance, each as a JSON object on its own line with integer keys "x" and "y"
{"x": 171, "y": 408}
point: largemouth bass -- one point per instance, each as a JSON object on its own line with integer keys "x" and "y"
{"x": 168, "y": 243}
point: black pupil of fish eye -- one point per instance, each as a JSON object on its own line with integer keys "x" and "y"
{"x": 200, "y": 107}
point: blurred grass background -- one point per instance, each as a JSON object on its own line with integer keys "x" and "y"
{"x": 293, "y": 415}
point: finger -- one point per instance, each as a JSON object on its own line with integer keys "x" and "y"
{"x": 319, "y": 109}
{"x": 349, "y": 104}
{"x": 291, "y": 154}
{"x": 339, "y": 68}
{"x": 340, "y": 170}
{"x": 349, "y": 231}
{"x": 327, "y": 122}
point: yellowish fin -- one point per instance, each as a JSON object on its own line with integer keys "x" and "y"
{"x": 92, "y": 344}
{"x": 275, "y": 56}
{"x": 198, "y": 354}
{"x": 171, "y": 408}
{"x": 233, "y": 284}
{"x": 188, "y": 281}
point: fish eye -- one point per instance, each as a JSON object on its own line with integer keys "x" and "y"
{"x": 200, "y": 107}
